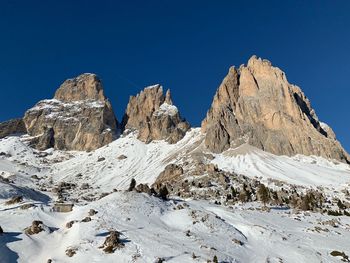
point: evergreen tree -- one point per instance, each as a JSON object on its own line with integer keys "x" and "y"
{"x": 163, "y": 192}
{"x": 243, "y": 196}
{"x": 132, "y": 185}
{"x": 305, "y": 203}
{"x": 341, "y": 205}
{"x": 263, "y": 194}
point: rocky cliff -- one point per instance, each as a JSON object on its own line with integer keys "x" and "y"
{"x": 256, "y": 104}
{"x": 78, "y": 118}
{"x": 154, "y": 116}
{"x": 10, "y": 127}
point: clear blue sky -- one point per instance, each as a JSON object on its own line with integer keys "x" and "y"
{"x": 186, "y": 46}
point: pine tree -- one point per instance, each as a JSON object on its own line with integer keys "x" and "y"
{"x": 163, "y": 192}
{"x": 305, "y": 203}
{"x": 263, "y": 193}
{"x": 215, "y": 259}
{"x": 341, "y": 205}
{"x": 233, "y": 192}
{"x": 243, "y": 196}
{"x": 132, "y": 185}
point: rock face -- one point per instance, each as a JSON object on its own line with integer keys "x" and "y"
{"x": 171, "y": 171}
{"x": 154, "y": 116}
{"x": 256, "y": 104}
{"x": 35, "y": 228}
{"x": 78, "y": 118}
{"x": 14, "y": 126}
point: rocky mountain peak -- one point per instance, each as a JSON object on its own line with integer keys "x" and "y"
{"x": 86, "y": 86}
{"x": 154, "y": 116}
{"x": 168, "y": 99}
{"x": 78, "y": 118}
{"x": 256, "y": 104}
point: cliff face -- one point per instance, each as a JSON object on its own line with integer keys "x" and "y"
{"x": 10, "y": 127}
{"x": 78, "y": 118}
{"x": 256, "y": 104}
{"x": 154, "y": 116}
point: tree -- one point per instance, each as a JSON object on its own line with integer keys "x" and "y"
{"x": 263, "y": 194}
{"x": 233, "y": 192}
{"x": 340, "y": 204}
{"x": 305, "y": 203}
{"x": 132, "y": 185}
{"x": 243, "y": 196}
{"x": 163, "y": 192}
{"x": 215, "y": 259}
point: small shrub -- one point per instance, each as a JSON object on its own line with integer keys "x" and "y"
{"x": 243, "y": 196}
{"x": 132, "y": 185}
{"x": 70, "y": 252}
{"x": 334, "y": 213}
{"x": 263, "y": 194}
{"x": 14, "y": 200}
{"x": 340, "y": 204}
{"x": 163, "y": 192}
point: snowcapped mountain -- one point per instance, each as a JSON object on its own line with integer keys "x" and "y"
{"x": 78, "y": 186}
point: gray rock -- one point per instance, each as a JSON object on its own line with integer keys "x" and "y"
{"x": 12, "y": 127}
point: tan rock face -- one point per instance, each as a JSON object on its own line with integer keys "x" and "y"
{"x": 84, "y": 87}
{"x": 154, "y": 116}
{"x": 256, "y": 104}
{"x": 171, "y": 171}
{"x": 14, "y": 126}
{"x": 78, "y": 118}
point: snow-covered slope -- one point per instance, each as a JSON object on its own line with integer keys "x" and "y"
{"x": 176, "y": 230}
{"x": 311, "y": 171}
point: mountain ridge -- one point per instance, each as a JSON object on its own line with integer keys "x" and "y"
{"x": 254, "y": 104}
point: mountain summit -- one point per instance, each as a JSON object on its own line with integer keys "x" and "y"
{"x": 155, "y": 116}
{"x": 256, "y": 104}
{"x": 78, "y": 118}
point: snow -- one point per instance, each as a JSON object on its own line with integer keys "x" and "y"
{"x": 324, "y": 126}
{"x": 166, "y": 109}
{"x": 153, "y": 228}
{"x": 153, "y": 86}
{"x": 311, "y": 171}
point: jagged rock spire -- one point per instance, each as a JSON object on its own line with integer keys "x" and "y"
{"x": 257, "y": 105}
{"x": 154, "y": 116}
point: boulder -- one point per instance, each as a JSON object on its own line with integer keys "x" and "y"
{"x": 154, "y": 116}
{"x": 35, "y": 228}
{"x": 79, "y": 117}
{"x": 256, "y": 104}
{"x": 170, "y": 172}
{"x": 112, "y": 242}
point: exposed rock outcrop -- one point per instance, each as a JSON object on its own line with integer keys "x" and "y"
{"x": 78, "y": 118}
{"x": 256, "y": 104}
{"x": 10, "y": 127}
{"x": 171, "y": 171}
{"x": 154, "y": 116}
{"x": 36, "y": 228}
{"x": 112, "y": 242}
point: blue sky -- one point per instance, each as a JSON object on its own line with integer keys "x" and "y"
{"x": 186, "y": 46}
